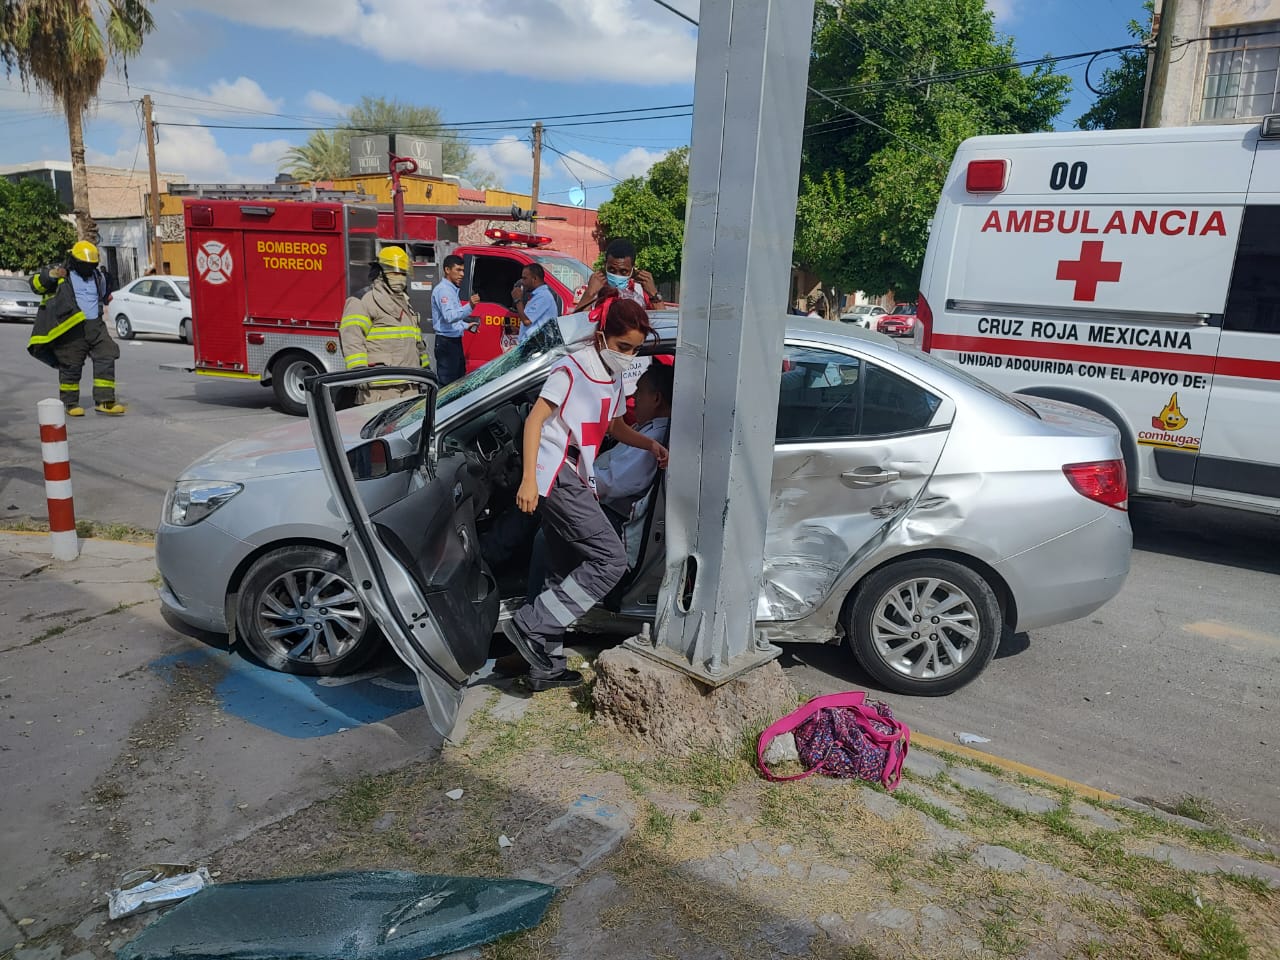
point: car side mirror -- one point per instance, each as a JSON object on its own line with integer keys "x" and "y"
{"x": 370, "y": 461}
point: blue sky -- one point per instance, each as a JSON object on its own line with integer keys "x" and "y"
{"x": 295, "y": 63}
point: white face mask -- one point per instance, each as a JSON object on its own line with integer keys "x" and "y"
{"x": 614, "y": 361}
{"x": 397, "y": 282}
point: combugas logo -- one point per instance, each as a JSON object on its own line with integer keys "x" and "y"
{"x": 1165, "y": 429}
{"x": 213, "y": 261}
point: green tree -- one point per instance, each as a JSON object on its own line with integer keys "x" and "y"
{"x": 649, "y": 211}
{"x": 326, "y": 154}
{"x": 926, "y": 74}
{"x": 61, "y": 48}
{"x": 32, "y": 231}
{"x": 1123, "y": 87}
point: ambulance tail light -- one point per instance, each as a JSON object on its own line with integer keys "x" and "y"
{"x": 924, "y": 322}
{"x": 986, "y": 176}
{"x": 1103, "y": 481}
{"x": 201, "y": 216}
{"x": 324, "y": 220}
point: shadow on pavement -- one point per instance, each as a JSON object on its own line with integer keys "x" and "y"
{"x": 1234, "y": 538}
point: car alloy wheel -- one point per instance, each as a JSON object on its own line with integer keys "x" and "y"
{"x": 925, "y": 626}
{"x": 298, "y": 612}
{"x": 313, "y": 615}
{"x": 124, "y": 329}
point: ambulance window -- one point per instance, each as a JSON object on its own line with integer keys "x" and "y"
{"x": 1253, "y": 303}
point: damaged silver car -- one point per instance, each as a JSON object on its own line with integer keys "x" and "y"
{"x": 916, "y": 514}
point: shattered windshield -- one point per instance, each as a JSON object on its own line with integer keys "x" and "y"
{"x": 546, "y": 339}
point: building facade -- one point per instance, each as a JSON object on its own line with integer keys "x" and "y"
{"x": 1223, "y": 65}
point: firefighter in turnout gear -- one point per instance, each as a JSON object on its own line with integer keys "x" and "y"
{"x": 380, "y": 328}
{"x": 71, "y": 325}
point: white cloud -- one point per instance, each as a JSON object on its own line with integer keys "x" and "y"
{"x": 268, "y": 153}
{"x": 322, "y": 104}
{"x": 509, "y": 158}
{"x": 1004, "y": 10}
{"x": 636, "y": 162}
{"x": 628, "y": 41}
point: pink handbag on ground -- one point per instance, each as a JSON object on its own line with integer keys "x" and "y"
{"x": 843, "y": 735}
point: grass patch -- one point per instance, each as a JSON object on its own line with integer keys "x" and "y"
{"x": 917, "y": 802}
{"x": 363, "y": 801}
{"x": 85, "y": 529}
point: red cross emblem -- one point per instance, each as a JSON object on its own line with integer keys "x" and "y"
{"x": 1089, "y": 270}
{"x": 594, "y": 433}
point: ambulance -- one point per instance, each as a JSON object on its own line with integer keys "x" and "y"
{"x": 1132, "y": 272}
{"x": 270, "y": 278}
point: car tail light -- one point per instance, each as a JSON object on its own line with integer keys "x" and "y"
{"x": 986, "y": 176}
{"x": 1103, "y": 481}
{"x": 324, "y": 220}
{"x": 924, "y": 313}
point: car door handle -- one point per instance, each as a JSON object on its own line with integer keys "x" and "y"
{"x": 869, "y": 477}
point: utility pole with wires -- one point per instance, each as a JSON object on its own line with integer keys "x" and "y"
{"x": 149, "y": 131}
{"x": 1153, "y": 113}
{"x": 537, "y": 171}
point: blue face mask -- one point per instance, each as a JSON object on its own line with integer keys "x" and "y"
{"x": 617, "y": 280}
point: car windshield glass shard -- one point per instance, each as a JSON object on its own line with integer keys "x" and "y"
{"x": 546, "y": 338}
{"x": 373, "y": 915}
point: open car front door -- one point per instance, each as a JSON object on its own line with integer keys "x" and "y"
{"x": 411, "y": 536}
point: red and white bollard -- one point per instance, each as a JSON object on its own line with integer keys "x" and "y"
{"x": 57, "y": 479}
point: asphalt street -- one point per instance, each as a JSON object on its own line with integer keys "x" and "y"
{"x": 1169, "y": 690}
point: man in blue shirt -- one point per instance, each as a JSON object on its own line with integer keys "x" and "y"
{"x": 534, "y": 302}
{"x": 451, "y": 318}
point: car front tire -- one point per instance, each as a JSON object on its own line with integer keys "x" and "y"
{"x": 924, "y": 626}
{"x": 298, "y": 612}
{"x": 124, "y": 329}
{"x": 184, "y": 330}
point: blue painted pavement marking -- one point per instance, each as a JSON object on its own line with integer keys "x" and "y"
{"x": 299, "y": 707}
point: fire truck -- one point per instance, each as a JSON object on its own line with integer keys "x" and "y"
{"x": 270, "y": 276}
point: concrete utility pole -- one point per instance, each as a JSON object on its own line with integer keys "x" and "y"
{"x": 537, "y": 172}
{"x": 1153, "y": 108}
{"x": 149, "y": 128}
{"x": 744, "y": 172}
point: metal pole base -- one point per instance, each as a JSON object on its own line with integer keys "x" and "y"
{"x": 712, "y": 674}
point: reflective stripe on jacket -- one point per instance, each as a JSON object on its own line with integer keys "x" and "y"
{"x": 381, "y": 327}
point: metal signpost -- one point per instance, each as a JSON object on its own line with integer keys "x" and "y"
{"x": 744, "y": 171}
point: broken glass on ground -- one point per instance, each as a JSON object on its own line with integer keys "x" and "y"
{"x": 362, "y": 915}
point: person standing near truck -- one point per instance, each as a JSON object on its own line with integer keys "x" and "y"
{"x": 451, "y": 318}
{"x": 71, "y": 327}
{"x": 381, "y": 329}
{"x": 621, "y": 274}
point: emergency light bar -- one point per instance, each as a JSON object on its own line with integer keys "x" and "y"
{"x": 1271, "y": 128}
{"x": 510, "y": 236}
{"x": 986, "y": 176}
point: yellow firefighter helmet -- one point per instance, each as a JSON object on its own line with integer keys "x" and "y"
{"x": 393, "y": 259}
{"x": 85, "y": 252}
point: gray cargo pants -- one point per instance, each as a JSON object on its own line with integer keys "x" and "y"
{"x": 585, "y": 560}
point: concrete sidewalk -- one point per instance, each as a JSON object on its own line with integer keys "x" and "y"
{"x": 135, "y": 744}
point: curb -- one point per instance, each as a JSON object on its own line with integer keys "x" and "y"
{"x": 1012, "y": 766}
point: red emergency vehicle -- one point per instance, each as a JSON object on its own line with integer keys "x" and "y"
{"x": 270, "y": 277}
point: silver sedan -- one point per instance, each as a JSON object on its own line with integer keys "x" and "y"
{"x": 917, "y": 514}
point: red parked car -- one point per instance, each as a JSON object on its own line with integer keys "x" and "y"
{"x": 901, "y": 322}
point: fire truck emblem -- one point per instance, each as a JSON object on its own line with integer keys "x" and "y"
{"x": 213, "y": 261}
{"x": 1170, "y": 418}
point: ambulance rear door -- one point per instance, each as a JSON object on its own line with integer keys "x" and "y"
{"x": 1239, "y": 462}
{"x": 1093, "y": 268}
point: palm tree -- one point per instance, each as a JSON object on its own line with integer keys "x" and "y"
{"x": 60, "y": 48}
{"x": 325, "y": 156}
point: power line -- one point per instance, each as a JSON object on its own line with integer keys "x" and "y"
{"x": 564, "y": 156}
{"x": 444, "y": 129}
{"x": 678, "y": 13}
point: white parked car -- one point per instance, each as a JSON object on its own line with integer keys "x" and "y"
{"x": 864, "y": 316}
{"x": 153, "y": 305}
